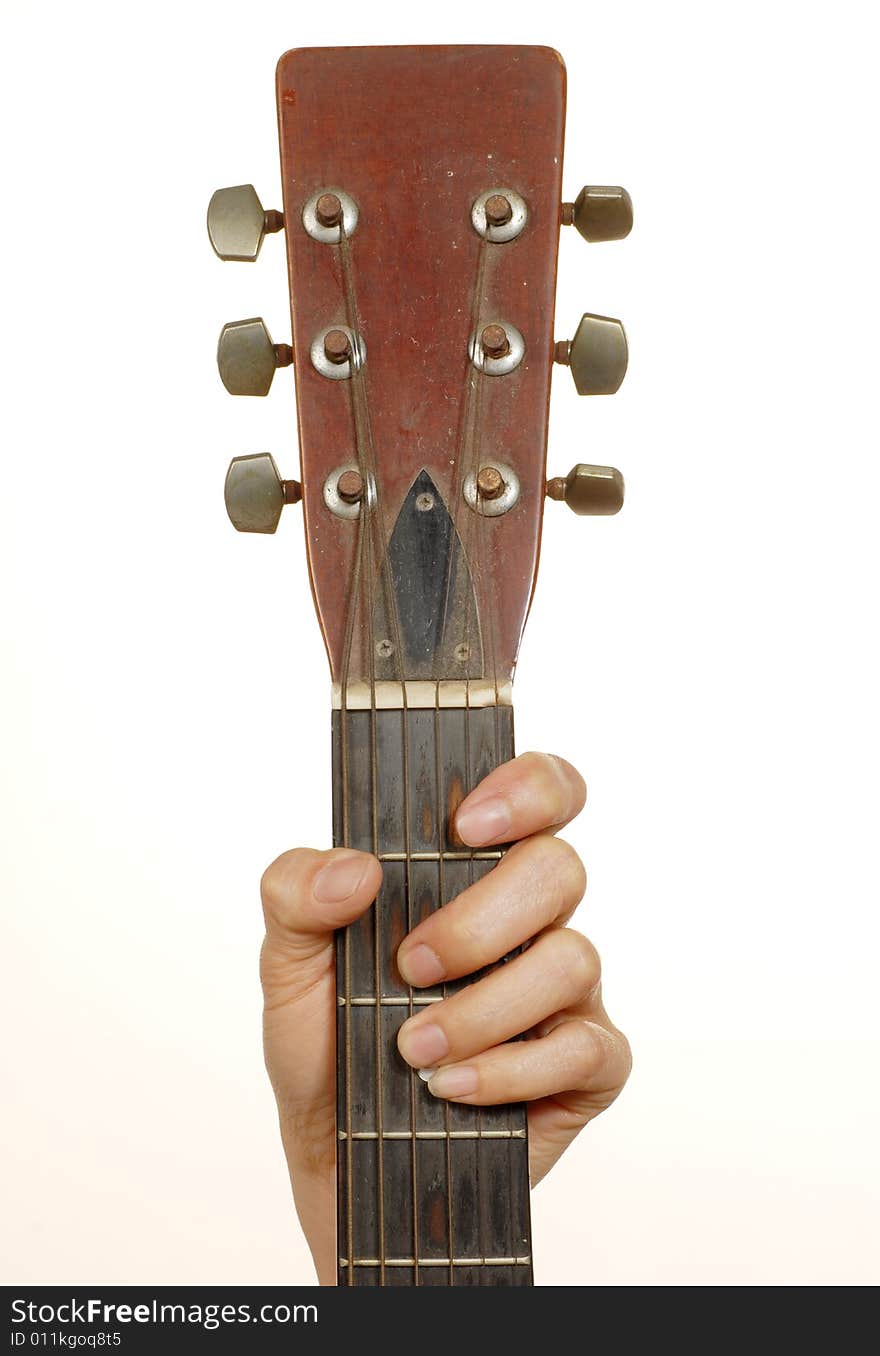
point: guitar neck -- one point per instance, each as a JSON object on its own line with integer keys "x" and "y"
{"x": 422, "y": 203}
{"x": 429, "y": 1192}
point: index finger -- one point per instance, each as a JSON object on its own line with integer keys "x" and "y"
{"x": 531, "y": 794}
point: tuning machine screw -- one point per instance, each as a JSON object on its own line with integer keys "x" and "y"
{"x": 597, "y": 355}
{"x": 247, "y": 357}
{"x": 237, "y": 223}
{"x": 589, "y": 490}
{"x": 255, "y": 494}
{"x": 600, "y": 212}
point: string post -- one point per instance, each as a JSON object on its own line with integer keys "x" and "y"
{"x": 498, "y": 210}
{"x": 490, "y": 482}
{"x": 337, "y": 346}
{"x": 350, "y": 487}
{"x": 494, "y": 341}
{"x": 328, "y": 209}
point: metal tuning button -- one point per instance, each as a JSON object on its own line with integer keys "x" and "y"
{"x": 600, "y": 212}
{"x": 589, "y": 490}
{"x": 255, "y": 493}
{"x": 237, "y": 223}
{"x": 247, "y": 357}
{"x": 597, "y": 355}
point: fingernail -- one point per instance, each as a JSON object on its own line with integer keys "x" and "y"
{"x": 420, "y": 965}
{"x": 422, "y": 1045}
{"x": 456, "y": 1082}
{"x": 340, "y": 878}
{"x": 486, "y": 822}
{"x": 426, "y": 1074}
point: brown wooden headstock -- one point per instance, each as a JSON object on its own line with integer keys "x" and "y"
{"x": 422, "y": 206}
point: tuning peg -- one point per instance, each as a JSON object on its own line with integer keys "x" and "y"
{"x": 596, "y": 490}
{"x": 237, "y": 223}
{"x": 247, "y": 357}
{"x": 255, "y": 493}
{"x": 600, "y": 212}
{"x": 597, "y": 355}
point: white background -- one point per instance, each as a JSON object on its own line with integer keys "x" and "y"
{"x": 708, "y": 658}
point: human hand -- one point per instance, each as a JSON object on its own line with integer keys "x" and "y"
{"x": 575, "y": 1061}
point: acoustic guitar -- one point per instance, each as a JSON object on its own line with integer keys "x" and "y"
{"x": 422, "y": 202}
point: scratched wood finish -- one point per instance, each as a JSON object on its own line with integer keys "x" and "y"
{"x": 455, "y": 1197}
{"x": 415, "y": 134}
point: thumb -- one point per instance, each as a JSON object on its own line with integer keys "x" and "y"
{"x": 307, "y": 895}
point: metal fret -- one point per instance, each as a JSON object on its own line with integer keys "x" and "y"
{"x": 370, "y": 1001}
{"x": 438, "y": 1261}
{"x": 433, "y": 1134}
{"x": 490, "y": 856}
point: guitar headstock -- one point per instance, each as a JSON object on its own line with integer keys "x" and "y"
{"x": 422, "y": 193}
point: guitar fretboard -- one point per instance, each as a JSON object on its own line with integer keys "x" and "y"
{"x": 429, "y": 1192}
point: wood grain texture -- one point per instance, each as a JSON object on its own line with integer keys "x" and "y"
{"x": 415, "y": 135}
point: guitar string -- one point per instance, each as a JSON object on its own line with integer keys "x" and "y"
{"x": 472, "y": 469}
{"x": 441, "y": 847}
{"x": 468, "y": 449}
{"x": 478, "y": 530}
{"x": 489, "y": 630}
{"x": 477, "y": 551}
{"x": 474, "y": 523}
{"x": 346, "y": 839}
{"x": 368, "y": 515}
{"x": 368, "y": 644}
{"x": 359, "y": 600}
{"x": 469, "y": 405}
{"x": 367, "y": 462}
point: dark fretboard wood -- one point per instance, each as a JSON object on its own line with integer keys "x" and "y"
{"x": 429, "y": 1193}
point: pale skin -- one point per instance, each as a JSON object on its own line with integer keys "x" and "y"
{"x": 575, "y": 1061}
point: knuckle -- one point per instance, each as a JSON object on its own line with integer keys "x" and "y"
{"x": 602, "y": 1057}
{"x": 626, "y": 1057}
{"x": 548, "y": 778}
{"x": 570, "y": 878}
{"x": 451, "y": 932}
{"x": 560, "y": 786}
{"x": 571, "y": 779}
{"x": 278, "y": 882}
{"x": 578, "y": 962}
{"x": 461, "y": 936}
{"x": 589, "y": 1051}
{"x": 549, "y": 864}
